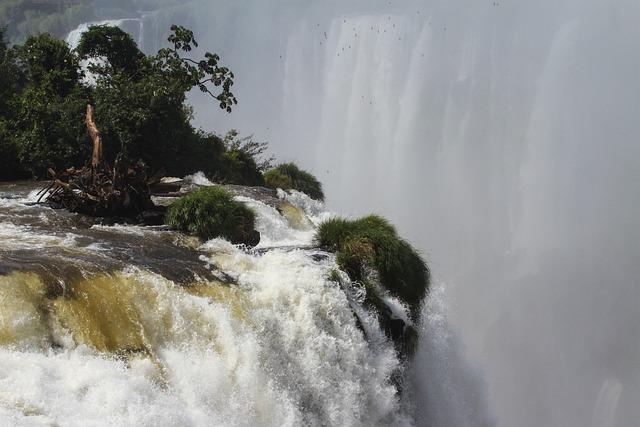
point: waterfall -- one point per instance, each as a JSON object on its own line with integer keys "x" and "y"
{"x": 110, "y": 339}
{"x": 145, "y": 29}
{"x": 604, "y": 412}
{"x": 134, "y": 26}
{"x": 502, "y": 138}
{"x": 445, "y": 388}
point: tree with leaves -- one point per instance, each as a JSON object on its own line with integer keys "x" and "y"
{"x": 139, "y": 107}
{"x": 140, "y": 100}
{"x": 11, "y": 83}
{"x": 43, "y": 122}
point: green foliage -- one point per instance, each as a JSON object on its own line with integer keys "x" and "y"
{"x": 10, "y": 85}
{"x": 43, "y": 105}
{"x": 218, "y": 160}
{"x": 142, "y": 118}
{"x": 49, "y": 133}
{"x": 9, "y": 164}
{"x": 211, "y": 212}
{"x": 49, "y": 64}
{"x": 11, "y": 77}
{"x": 240, "y": 168}
{"x": 253, "y": 149}
{"x": 289, "y": 177}
{"x": 372, "y": 244}
{"x": 140, "y": 101}
{"x": 117, "y": 48}
{"x": 203, "y": 74}
{"x": 140, "y": 107}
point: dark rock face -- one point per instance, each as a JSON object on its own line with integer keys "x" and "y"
{"x": 403, "y": 335}
{"x": 265, "y": 195}
{"x": 252, "y": 239}
{"x": 153, "y": 217}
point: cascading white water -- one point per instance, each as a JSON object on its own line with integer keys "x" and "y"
{"x": 445, "y": 390}
{"x": 281, "y": 347}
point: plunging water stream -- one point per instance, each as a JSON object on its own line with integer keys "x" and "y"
{"x": 126, "y": 325}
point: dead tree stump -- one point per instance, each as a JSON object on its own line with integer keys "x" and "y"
{"x": 120, "y": 190}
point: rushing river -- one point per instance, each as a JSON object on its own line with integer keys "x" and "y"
{"x": 130, "y": 325}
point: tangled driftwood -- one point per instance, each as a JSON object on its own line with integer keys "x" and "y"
{"x": 120, "y": 190}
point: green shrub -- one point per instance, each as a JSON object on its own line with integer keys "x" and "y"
{"x": 211, "y": 212}
{"x": 210, "y": 154}
{"x": 372, "y": 243}
{"x": 139, "y": 100}
{"x": 289, "y": 177}
{"x": 45, "y": 125}
{"x": 240, "y": 168}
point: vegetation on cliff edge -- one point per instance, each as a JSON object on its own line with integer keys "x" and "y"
{"x": 289, "y": 177}
{"x": 211, "y": 212}
{"x": 140, "y": 107}
{"x": 371, "y": 245}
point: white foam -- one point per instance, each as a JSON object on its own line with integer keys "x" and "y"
{"x": 13, "y": 237}
{"x": 295, "y": 357}
{"x": 314, "y": 209}
{"x": 274, "y": 228}
{"x": 170, "y": 179}
{"x": 198, "y": 178}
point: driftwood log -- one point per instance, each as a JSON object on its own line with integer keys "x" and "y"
{"x": 120, "y": 190}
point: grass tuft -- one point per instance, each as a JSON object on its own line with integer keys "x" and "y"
{"x": 289, "y": 177}
{"x": 373, "y": 243}
{"x": 211, "y": 212}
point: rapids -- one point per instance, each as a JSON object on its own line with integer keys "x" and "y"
{"x": 128, "y": 325}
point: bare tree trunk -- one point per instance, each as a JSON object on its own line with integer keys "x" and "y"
{"x": 121, "y": 191}
{"x": 94, "y": 133}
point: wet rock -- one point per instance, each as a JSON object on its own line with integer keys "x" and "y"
{"x": 403, "y": 335}
{"x": 319, "y": 256}
{"x": 252, "y": 238}
{"x": 153, "y": 217}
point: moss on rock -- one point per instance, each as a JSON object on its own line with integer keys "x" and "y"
{"x": 289, "y": 177}
{"x": 211, "y": 212}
